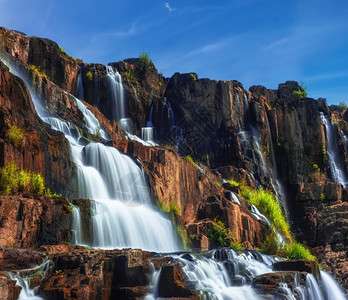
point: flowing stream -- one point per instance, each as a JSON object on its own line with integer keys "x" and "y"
{"x": 336, "y": 167}
{"x": 123, "y": 216}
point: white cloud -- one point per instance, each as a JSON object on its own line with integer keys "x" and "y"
{"x": 117, "y": 33}
{"x": 167, "y": 5}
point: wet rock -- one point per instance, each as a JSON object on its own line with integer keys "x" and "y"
{"x": 171, "y": 283}
{"x": 8, "y": 289}
{"x": 301, "y": 265}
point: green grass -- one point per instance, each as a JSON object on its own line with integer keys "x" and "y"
{"x": 13, "y": 180}
{"x": 190, "y": 159}
{"x": 221, "y": 236}
{"x": 298, "y": 251}
{"x": 268, "y": 204}
{"x": 15, "y": 135}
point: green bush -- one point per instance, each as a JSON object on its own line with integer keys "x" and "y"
{"x": 221, "y": 236}
{"x": 144, "y": 61}
{"x": 190, "y": 159}
{"x": 37, "y": 71}
{"x": 302, "y": 92}
{"x": 193, "y": 76}
{"x": 15, "y": 135}
{"x": 8, "y": 178}
{"x": 343, "y": 105}
{"x": 24, "y": 181}
{"x": 13, "y": 180}
{"x": 89, "y": 75}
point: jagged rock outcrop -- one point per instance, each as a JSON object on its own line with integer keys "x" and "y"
{"x": 42, "y": 53}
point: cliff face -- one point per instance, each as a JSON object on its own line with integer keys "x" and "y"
{"x": 262, "y": 137}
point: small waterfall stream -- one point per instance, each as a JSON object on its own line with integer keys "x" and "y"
{"x": 335, "y": 165}
{"x": 29, "y": 278}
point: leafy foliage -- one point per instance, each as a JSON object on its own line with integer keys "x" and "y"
{"x": 144, "y": 61}
{"x": 13, "y": 180}
{"x": 302, "y": 92}
{"x": 193, "y": 76}
{"x": 343, "y": 105}
{"x": 37, "y": 72}
{"x": 15, "y": 135}
{"x": 221, "y": 236}
{"x": 89, "y": 75}
{"x": 298, "y": 251}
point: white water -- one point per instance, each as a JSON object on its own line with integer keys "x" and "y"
{"x": 221, "y": 274}
{"x": 122, "y": 214}
{"x": 24, "y": 278}
{"x": 337, "y": 170}
{"x": 332, "y": 290}
{"x": 80, "y": 85}
{"x": 76, "y": 225}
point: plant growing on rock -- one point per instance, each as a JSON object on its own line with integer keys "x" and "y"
{"x": 37, "y": 72}
{"x": 13, "y": 180}
{"x": 193, "y": 76}
{"x": 89, "y": 75}
{"x": 144, "y": 61}
{"x": 302, "y": 92}
{"x": 15, "y": 135}
{"x": 343, "y": 105}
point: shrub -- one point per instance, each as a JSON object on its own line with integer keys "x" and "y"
{"x": 24, "y": 181}
{"x": 8, "y": 179}
{"x": 193, "y": 76}
{"x": 302, "y": 92}
{"x": 15, "y": 135}
{"x": 89, "y": 75}
{"x": 37, "y": 72}
{"x": 343, "y": 105}
{"x": 144, "y": 61}
{"x": 174, "y": 209}
{"x": 221, "y": 236}
{"x": 37, "y": 183}
{"x": 13, "y": 180}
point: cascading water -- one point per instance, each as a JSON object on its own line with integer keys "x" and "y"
{"x": 122, "y": 214}
{"x": 335, "y": 165}
{"x": 147, "y": 133}
{"x": 79, "y": 87}
{"x": 118, "y": 98}
{"x": 28, "y": 279}
{"x": 228, "y": 274}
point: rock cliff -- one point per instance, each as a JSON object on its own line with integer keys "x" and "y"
{"x": 206, "y": 133}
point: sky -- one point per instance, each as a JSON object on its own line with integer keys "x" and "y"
{"x": 255, "y": 42}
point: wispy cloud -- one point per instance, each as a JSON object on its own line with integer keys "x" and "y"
{"x": 167, "y": 5}
{"x": 132, "y": 30}
{"x": 326, "y": 76}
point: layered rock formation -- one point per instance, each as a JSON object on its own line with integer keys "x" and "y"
{"x": 263, "y": 137}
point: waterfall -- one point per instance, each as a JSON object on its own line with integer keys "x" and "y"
{"x": 228, "y": 274}
{"x": 28, "y": 280}
{"x": 119, "y": 107}
{"x": 147, "y": 133}
{"x": 121, "y": 209}
{"x": 332, "y": 290}
{"x": 335, "y": 165}
{"x": 79, "y": 87}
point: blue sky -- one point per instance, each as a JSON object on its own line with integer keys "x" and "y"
{"x": 252, "y": 41}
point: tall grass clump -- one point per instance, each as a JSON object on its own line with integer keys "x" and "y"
{"x": 267, "y": 202}
{"x": 13, "y": 180}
